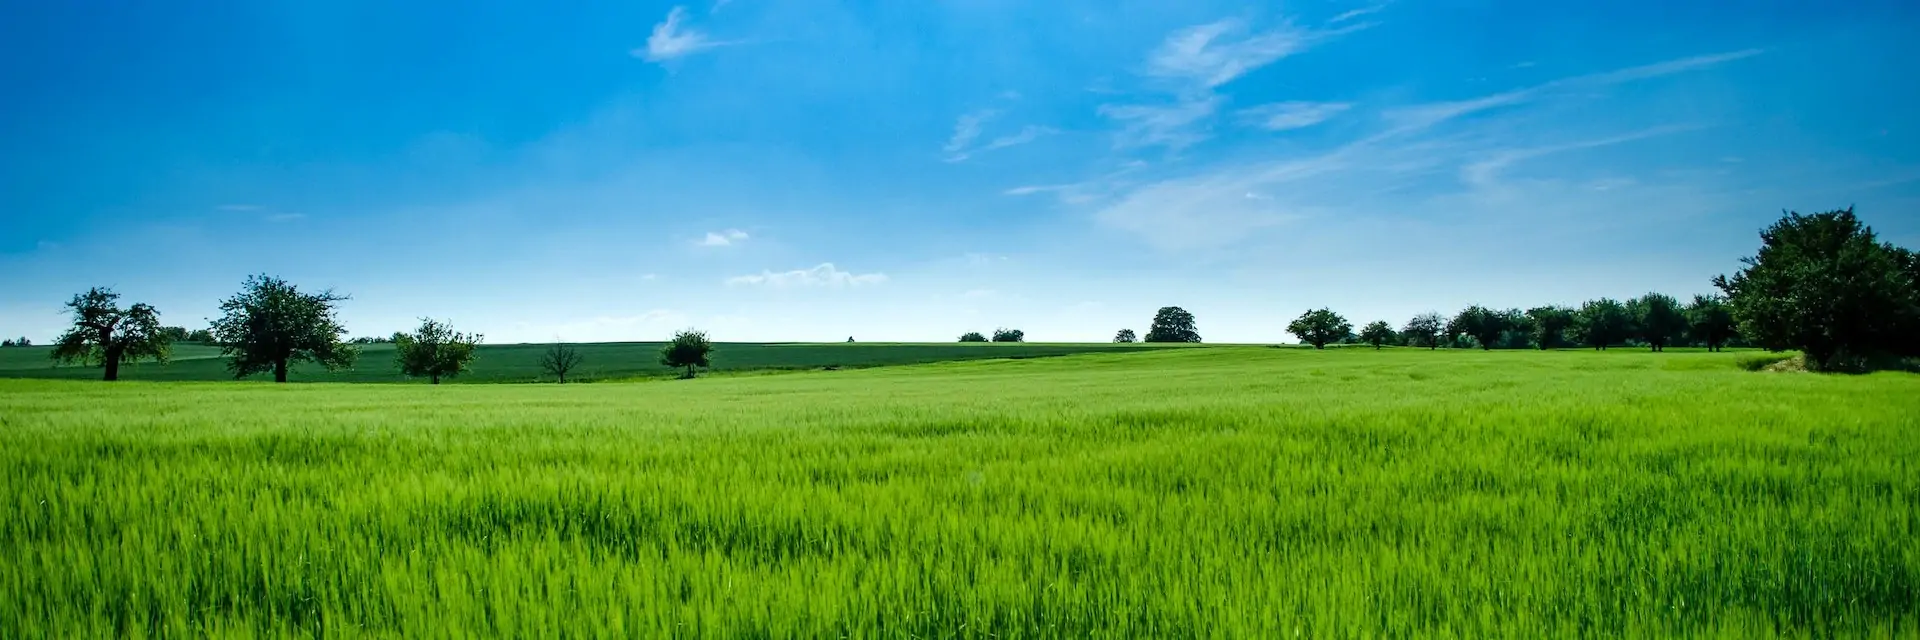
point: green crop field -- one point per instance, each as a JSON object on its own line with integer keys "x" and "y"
{"x": 1242, "y": 492}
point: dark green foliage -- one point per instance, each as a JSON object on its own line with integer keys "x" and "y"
{"x": 1602, "y": 323}
{"x": 1484, "y": 325}
{"x": 435, "y": 351}
{"x": 1124, "y": 336}
{"x": 1009, "y": 335}
{"x": 558, "y": 360}
{"x": 1319, "y": 327}
{"x": 1172, "y": 324}
{"x": 1424, "y": 330}
{"x": 1377, "y": 333}
{"x": 1824, "y": 285}
{"x": 365, "y": 340}
{"x": 973, "y": 336}
{"x": 200, "y": 336}
{"x": 688, "y": 349}
{"x": 174, "y": 334}
{"x": 1657, "y": 320}
{"x": 271, "y": 325}
{"x": 21, "y": 341}
{"x": 104, "y": 335}
{"x": 1709, "y": 323}
{"x": 1549, "y": 325}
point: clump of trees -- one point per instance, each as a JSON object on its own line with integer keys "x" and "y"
{"x": 105, "y": 335}
{"x": 559, "y": 360}
{"x": 1009, "y": 335}
{"x": 1172, "y": 324}
{"x": 21, "y": 341}
{"x": 270, "y": 325}
{"x": 1424, "y": 330}
{"x": 689, "y": 349}
{"x": 1125, "y": 336}
{"x": 1377, "y": 333}
{"x": 973, "y": 336}
{"x": 1709, "y": 322}
{"x": 435, "y": 351}
{"x": 1825, "y": 285}
{"x": 1319, "y": 327}
{"x": 1657, "y": 319}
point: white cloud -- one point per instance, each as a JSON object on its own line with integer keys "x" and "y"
{"x": 1363, "y": 11}
{"x": 672, "y": 39}
{"x": 1027, "y": 134}
{"x": 824, "y": 275}
{"x": 1214, "y": 54}
{"x": 723, "y": 238}
{"x": 1174, "y": 126}
{"x": 1419, "y": 117}
{"x": 1281, "y": 116}
{"x": 965, "y": 130}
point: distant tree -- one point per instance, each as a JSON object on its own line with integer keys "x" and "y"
{"x": 1657, "y": 319}
{"x": 200, "y": 336}
{"x": 270, "y": 325}
{"x": 174, "y": 334}
{"x": 972, "y": 336}
{"x": 559, "y": 360}
{"x": 1602, "y": 323}
{"x": 435, "y": 351}
{"x": 1482, "y": 324}
{"x": 1319, "y": 327}
{"x": 1125, "y": 336}
{"x": 849, "y": 338}
{"x": 1424, "y": 330}
{"x": 1009, "y": 335}
{"x": 105, "y": 335}
{"x": 1823, "y": 284}
{"x": 688, "y": 349}
{"x": 1549, "y": 325}
{"x": 7, "y": 342}
{"x": 1709, "y": 322}
{"x": 1172, "y": 324}
{"x": 1377, "y": 333}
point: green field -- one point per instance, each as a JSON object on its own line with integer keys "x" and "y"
{"x": 601, "y": 361}
{"x": 1241, "y": 492}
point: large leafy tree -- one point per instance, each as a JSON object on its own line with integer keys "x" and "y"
{"x": 1424, "y": 330}
{"x": 1549, "y": 325}
{"x": 1009, "y": 335}
{"x": 435, "y": 351}
{"x": 271, "y": 324}
{"x": 1172, "y": 324}
{"x": 105, "y": 335}
{"x": 1657, "y": 319}
{"x": 688, "y": 349}
{"x": 973, "y": 336}
{"x": 1823, "y": 284}
{"x": 1377, "y": 333}
{"x": 1319, "y": 327}
{"x": 1602, "y": 323}
{"x": 1124, "y": 336}
{"x": 1483, "y": 324}
{"x": 1709, "y": 322}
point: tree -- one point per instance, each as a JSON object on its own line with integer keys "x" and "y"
{"x": 1483, "y": 324}
{"x": 1009, "y": 335}
{"x": 1823, "y": 284}
{"x": 270, "y": 325}
{"x": 435, "y": 351}
{"x": 559, "y": 360}
{"x": 1125, "y": 336}
{"x": 1172, "y": 324}
{"x": 1657, "y": 319}
{"x": 972, "y": 336}
{"x": 1709, "y": 322}
{"x": 1377, "y": 333}
{"x": 1602, "y": 323}
{"x": 200, "y": 336}
{"x": 1319, "y": 327}
{"x": 688, "y": 349}
{"x": 1424, "y": 329}
{"x": 174, "y": 334}
{"x": 105, "y": 335}
{"x": 1549, "y": 325}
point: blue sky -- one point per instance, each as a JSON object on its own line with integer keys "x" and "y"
{"x": 801, "y": 170}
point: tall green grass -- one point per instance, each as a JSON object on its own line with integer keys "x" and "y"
{"x": 1228, "y": 492}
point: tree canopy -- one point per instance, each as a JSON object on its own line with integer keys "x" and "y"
{"x": 1319, "y": 327}
{"x": 1823, "y": 284}
{"x": 973, "y": 336}
{"x": 1172, "y": 324}
{"x": 1009, "y": 335}
{"x": 1549, "y": 325}
{"x": 1377, "y": 333}
{"x": 559, "y": 359}
{"x": 688, "y": 349}
{"x": 270, "y": 325}
{"x": 1709, "y": 322}
{"x": 435, "y": 351}
{"x": 1124, "y": 336}
{"x": 1657, "y": 319}
{"x": 1482, "y": 324}
{"x": 1602, "y": 323}
{"x": 104, "y": 335}
{"x": 1424, "y": 330}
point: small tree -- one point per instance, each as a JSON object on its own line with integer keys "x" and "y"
{"x": 270, "y": 325}
{"x": 1602, "y": 323}
{"x": 1319, "y": 327}
{"x": 558, "y": 360}
{"x": 1657, "y": 319}
{"x": 1549, "y": 325}
{"x": 1377, "y": 333}
{"x": 972, "y": 336}
{"x": 1172, "y": 324}
{"x": 435, "y": 351}
{"x": 105, "y": 335}
{"x": 688, "y": 349}
{"x": 1424, "y": 330}
{"x": 1709, "y": 322}
{"x": 1823, "y": 284}
{"x": 1125, "y": 336}
{"x": 1009, "y": 335}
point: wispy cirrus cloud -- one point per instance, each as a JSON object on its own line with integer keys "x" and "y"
{"x": 1357, "y": 13}
{"x": 726, "y": 238}
{"x": 822, "y": 275}
{"x": 1417, "y": 117}
{"x": 966, "y": 129}
{"x": 672, "y": 38}
{"x": 1281, "y": 116}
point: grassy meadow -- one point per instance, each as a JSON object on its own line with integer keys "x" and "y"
{"x": 1208, "y": 492}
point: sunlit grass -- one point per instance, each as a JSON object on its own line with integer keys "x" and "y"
{"x": 1230, "y": 492}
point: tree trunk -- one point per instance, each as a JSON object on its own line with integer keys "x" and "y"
{"x": 689, "y": 372}
{"x": 280, "y": 370}
{"x": 112, "y": 364}
{"x": 435, "y": 377}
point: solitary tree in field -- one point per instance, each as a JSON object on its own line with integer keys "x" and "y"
{"x": 105, "y": 335}
{"x": 1602, "y": 323}
{"x": 688, "y": 349}
{"x": 1658, "y": 319}
{"x": 1483, "y": 324}
{"x": 1319, "y": 327}
{"x": 1709, "y": 322}
{"x": 1823, "y": 284}
{"x": 1377, "y": 333}
{"x": 1549, "y": 325}
{"x": 1172, "y": 324}
{"x": 435, "y": 351}
{"x": 270, "y": 325}
{"x": 1009, "y": 335}
{"x": 1424, "y": 330}
{"x": 973, "y": 336}
{"x": 558, "y": 360}
{"x": 1125, "y": 336}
